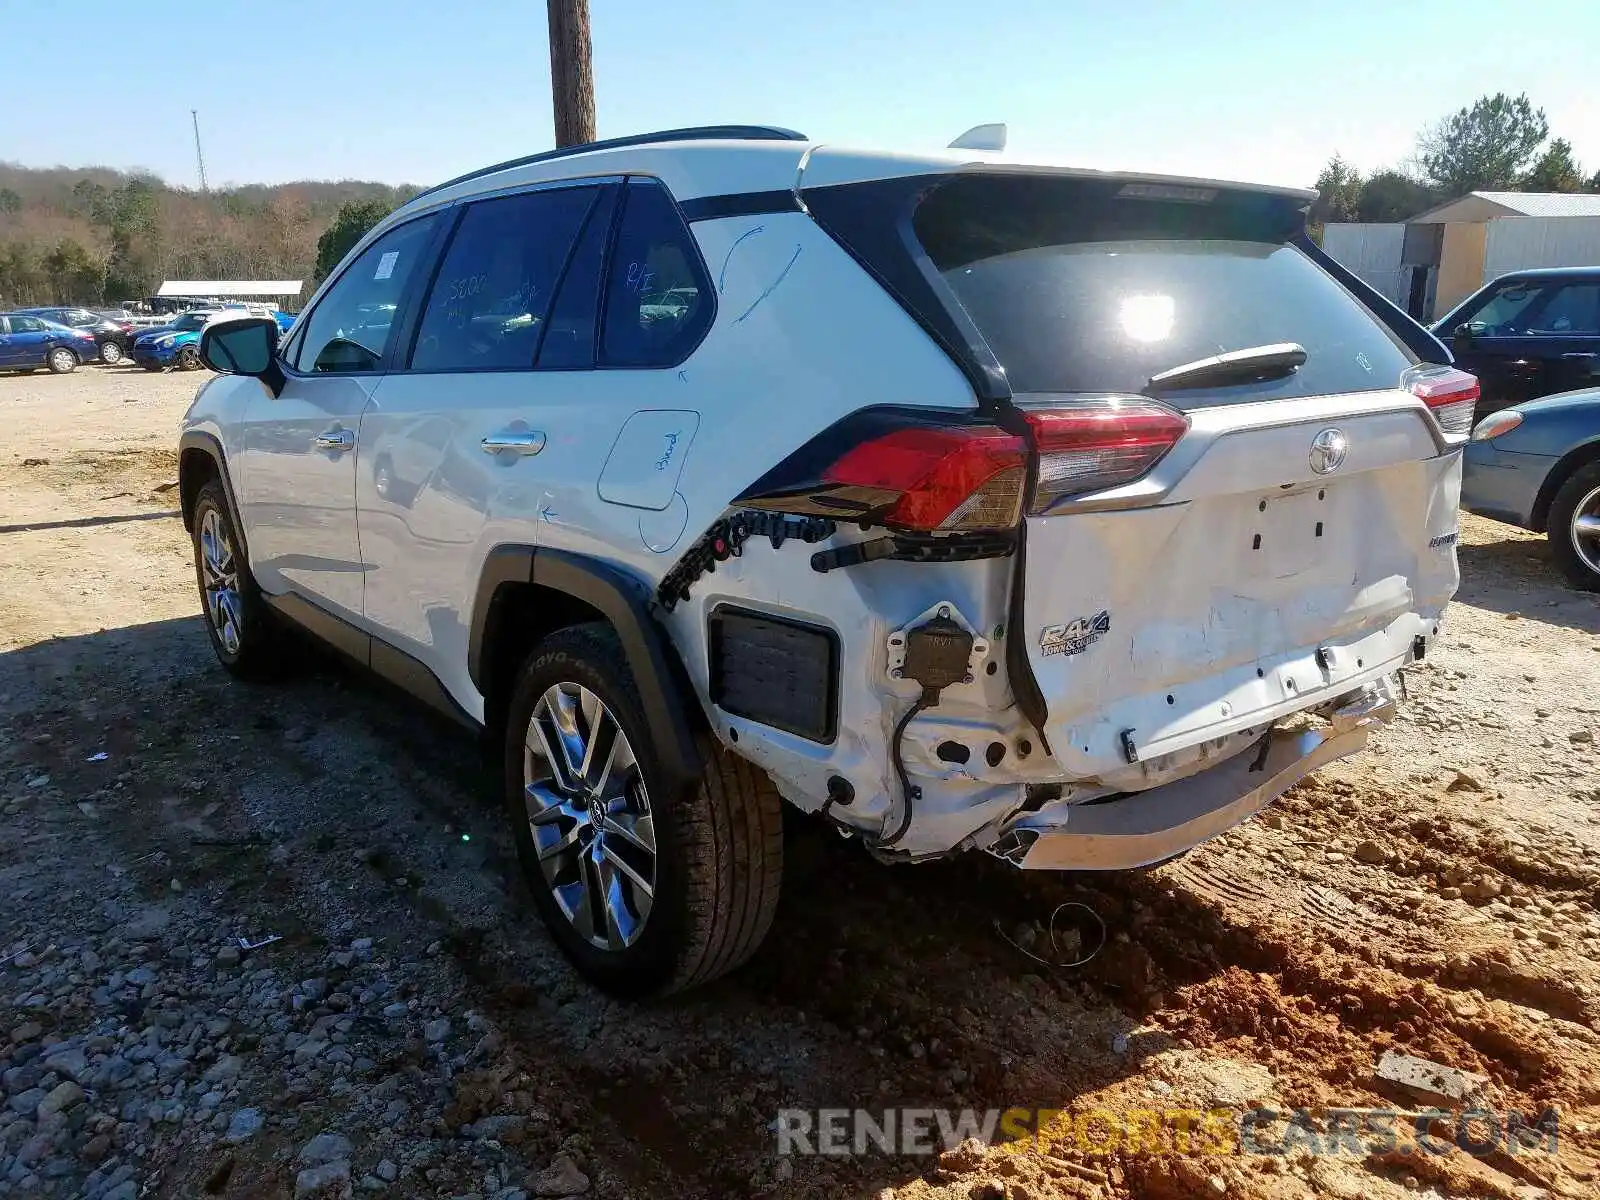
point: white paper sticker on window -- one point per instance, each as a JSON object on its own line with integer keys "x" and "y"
{"x": 386, "y": 262}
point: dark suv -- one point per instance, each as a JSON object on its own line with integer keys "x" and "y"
{"x": 1528, "y": 334}
{"x": 113, "y": 340}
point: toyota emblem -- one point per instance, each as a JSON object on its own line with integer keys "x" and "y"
{"x": 1328, "y": 449}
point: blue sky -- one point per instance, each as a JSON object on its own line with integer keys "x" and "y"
{"x": 411, "y": 92}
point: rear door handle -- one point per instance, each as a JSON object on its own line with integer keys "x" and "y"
{"x": 336, "y": 440}
{"x": 514, "y": 441}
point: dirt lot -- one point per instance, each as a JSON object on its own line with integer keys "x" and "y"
{"x": 413, "y": 1031}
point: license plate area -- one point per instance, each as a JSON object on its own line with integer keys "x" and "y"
{"x": 1286, "y": 535}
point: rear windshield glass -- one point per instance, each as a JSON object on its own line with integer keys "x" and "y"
{"x": 1079, "y": 288}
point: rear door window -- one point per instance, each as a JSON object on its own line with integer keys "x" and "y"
{"x": 658, "y": 299}
{"x": 487, "y": 307}
{"x": 1088, "y": 286}
{"x": 1572, "y": 310}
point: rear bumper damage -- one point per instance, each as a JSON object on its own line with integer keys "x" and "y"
{"x": 1141, "y": 828}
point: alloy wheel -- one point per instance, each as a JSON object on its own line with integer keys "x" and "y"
{"x": 221, "y": 581}
{"x": 110, "y": 353}
{"x": 590, "y": 816}
{"x": 62, "y": 360}
{"x": 1585, "y": 530}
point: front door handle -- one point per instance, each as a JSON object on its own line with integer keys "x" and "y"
{"x": 1579, "y": 356}
{"x": 514, "y": 441}
{"x": 336, "y": 440}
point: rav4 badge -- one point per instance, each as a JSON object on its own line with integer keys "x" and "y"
{"x": 1075, "y": 636}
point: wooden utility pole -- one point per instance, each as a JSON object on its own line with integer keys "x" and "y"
{"x": 571, "y": 71}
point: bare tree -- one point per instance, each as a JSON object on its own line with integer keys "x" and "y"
{"x": 571, "y": 71}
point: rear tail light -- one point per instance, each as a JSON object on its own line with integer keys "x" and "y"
{"x": 1102, "y": 443}
{"x": 936, "y": 479}
{"x": 924, "y": 471}
{"x": 912, "y": 470}
{"x": 1450, "y": 394}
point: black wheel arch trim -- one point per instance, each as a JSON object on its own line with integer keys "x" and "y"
{"x": 195, "y": 439}
{"x": 665, "y": 694}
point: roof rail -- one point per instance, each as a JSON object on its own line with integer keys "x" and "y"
{"x": 694, "y": 133}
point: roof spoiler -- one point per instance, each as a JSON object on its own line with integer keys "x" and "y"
{"x": 981, "y": 137}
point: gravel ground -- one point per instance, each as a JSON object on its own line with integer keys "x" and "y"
{"x": 269, "y": 942}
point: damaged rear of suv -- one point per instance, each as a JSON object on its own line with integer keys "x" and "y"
{"x": 1208, "y": 485}
{"x": 1067, "y": 516}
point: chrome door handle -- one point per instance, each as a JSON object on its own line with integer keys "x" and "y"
{"x": 513, "y": 441}
{"x": 1578, "y": 357}
{"x": 336, "y": 440}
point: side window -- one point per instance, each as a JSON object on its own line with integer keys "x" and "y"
{"x": 350, "y": 327}
{"x": 488, "y": 302}
{"x": 570, "y": 334}
{"x": 1505, "y": 313}
{"x": 1573, "y": 309}
{"x": 26, "y": 325}
{"x": 658, "y": 300}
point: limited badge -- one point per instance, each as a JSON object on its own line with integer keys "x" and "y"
{"x": 1075, "y": 636}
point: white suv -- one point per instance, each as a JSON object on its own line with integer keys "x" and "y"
{"x": 970, "y": 505}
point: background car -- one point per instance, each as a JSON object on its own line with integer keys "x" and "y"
{"x": 175, "y": 344}
{"x": 1528, "y": 334}
{"x": 28, "y": 342}
{"x": 113, "y": 339}
{"x": 1537, "y": 465}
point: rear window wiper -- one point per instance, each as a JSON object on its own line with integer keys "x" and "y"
{"x": 1236, "y": 366}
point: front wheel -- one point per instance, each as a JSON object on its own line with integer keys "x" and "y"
{"x": 61, "y": 361}
{"x": 110, "y": 353}
{"x": 646, "y": 892}
{"x": 1574, "y": 528}
{"x": 189, "y": 358}
{"x": 238, "y": 622}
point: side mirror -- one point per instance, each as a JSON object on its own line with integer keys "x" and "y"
{"x": 1461, "y": 334}
{"x": 243, "y": 345}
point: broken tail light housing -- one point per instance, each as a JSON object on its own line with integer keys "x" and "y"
{"x": 915, "y": 470}
{"x": 1097, "y": 443}
{"x": 1451, "y": 395}
{"x": 926, "y": 471}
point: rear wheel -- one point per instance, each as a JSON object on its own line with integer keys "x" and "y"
{"x": 110, "y": 353}
{"x": 238, "y": 622}
{"x": 645, "y": 892}
{"x": 1574, "y": 528}
{"x": 61, "y": 361}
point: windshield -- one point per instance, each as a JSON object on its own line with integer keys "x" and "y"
{"x": 1081, "y": 290}
{"x": 191, "y": 321}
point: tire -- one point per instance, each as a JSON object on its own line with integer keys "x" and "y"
{"x": 151, "y": 366}
{"x": 189, "y": 358}
{"x": 61, "y": 361}
{"x": 1578, "y": 557}
{"x": 717, "y": 865}
{"x": 243, "y": 631}
{"x": 111, "y": 354}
